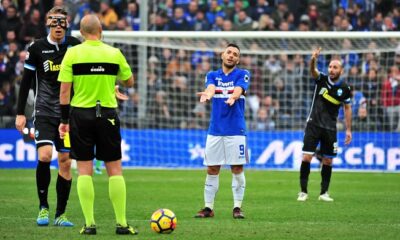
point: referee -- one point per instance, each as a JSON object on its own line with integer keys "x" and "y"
{"x": 93, "y": 68}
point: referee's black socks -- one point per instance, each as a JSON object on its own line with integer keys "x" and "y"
{"x": 43, "y": 178}
{"x": 304, "y": 173}
{"x": 63, "y": 188}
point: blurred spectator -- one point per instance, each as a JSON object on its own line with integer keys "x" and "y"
{"x": 180, "y": 97}
{"x": 313, "y": 14}
{"x": 201, "y": 55}
{"x": 372, "y": 89}
{"x": 283, "y": 96}
{"x": 160, "y": 111}
{"x": 391, "y": 98}
{"x": 227, "y": 26}
{"x": 214, "y": 11}
{"x": 132, "y": 16}
{"x": 279, "y": 13}
{"x": 265, "y": 23}
{"x": 178, "y": 22}
{"x": 304, "y": 24}
{"x": 261, "y": 7}
{"x": 228, "y": 6}
{"x": 388, "y": 24}
{"x": 7, "y": 99}
{"x": 362, "y": 122}
{"x": 11, "y": 22}
{"x": 198, "y": 119}
{"x": 377, "y": 22}
{"x": 19, "y": 66}
{"x": 345, "y": 25}
{"x": 129, "y": 113}
{"x": 242, "y": 22}
{"x": 263, "y": 121}
{"x": 191, "y": 13}
{"x": 218, "y": 25}
{"x": 350, "y": 58}
{"x": 200, "y": 22}
{"x": 160, "y": 23}
{"x": 32, "y": 29}
{"x": 178, "y": 65}
{"x": 108, "y": 17}
{"x": 5, "y": 68}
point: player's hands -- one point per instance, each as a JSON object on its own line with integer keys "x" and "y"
{"x": 63, "y": 129}
{"x": 204, "y": 97}
{"x": 20, "y": 122}
{"x": 347, "y": 141}
{"x": 316, "y": 53}
{"x": 230, "y": 101}
{"x": 119, "y": 95}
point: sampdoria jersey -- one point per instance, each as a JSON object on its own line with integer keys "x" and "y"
{"x": 327, "y": 100}
{"x": 228, "y": 120}
{"x": 44, "y": 56}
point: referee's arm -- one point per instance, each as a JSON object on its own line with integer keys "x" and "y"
{"x": 128, "y": 82}
{"x": 65, "y": 93}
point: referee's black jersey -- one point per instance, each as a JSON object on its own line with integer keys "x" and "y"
{"x": 327, "y": 100}
{"x": 44, "y": 56}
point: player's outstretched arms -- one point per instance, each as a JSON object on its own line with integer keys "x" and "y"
{"x": 207, "y": 94}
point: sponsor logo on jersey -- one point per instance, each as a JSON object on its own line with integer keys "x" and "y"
{"x": 325, "y": 94}
{"x": 50, "y": 66}
{"x": 246, "y": 78}
{"x": 227, "y": 84}
{"x": 97, "y": 69}
{"x": 47, "y": 51}
{"x": 339, "y": 92}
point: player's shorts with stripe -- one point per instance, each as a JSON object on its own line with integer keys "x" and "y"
{"x": 46, "y": 133}
{"x": 226, "y": 150}
{"x": 88, "y": 131}
{"x": 315, "y": 135}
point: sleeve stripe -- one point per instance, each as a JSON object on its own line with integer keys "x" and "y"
{"x": 30, "y": 67}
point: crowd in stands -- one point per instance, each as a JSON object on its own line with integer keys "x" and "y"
{"x": 278, "y": 98}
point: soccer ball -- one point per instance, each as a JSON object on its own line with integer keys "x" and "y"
{"x": 163, "y": 221}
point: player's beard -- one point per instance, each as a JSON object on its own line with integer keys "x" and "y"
{"x": 229, "y": 66}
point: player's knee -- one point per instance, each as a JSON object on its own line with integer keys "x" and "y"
{"x": 327, "y": 161}
{"x": 307, "y": 157}
{"x": 213, "y": 170}
{"x": 237, "y": 169}
{"x": 45, "y": 157}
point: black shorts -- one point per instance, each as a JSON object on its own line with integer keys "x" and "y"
{"x": 315, "y": 135}
{"x": 93, "y": 136}
{"x": 46, "y": 133}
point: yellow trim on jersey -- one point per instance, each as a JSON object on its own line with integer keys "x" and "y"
{"x": 330, "y": 98}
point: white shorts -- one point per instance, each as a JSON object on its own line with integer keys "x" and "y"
{"x": 225, "y": 150}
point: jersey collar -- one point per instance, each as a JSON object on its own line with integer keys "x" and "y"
{"x": 53, "y": 42}
{"x": 334, "y": 83}
{"x": 93, "y": 42}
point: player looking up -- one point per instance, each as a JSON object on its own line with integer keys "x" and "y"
{"x": 329, "y": 95}
{"x": 226, "y": 140}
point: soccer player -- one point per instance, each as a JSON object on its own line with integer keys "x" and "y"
{"x": 42, "y": 64}
{"x": 331, "y": 92}
{"x": 226, "y": 139}
{"x": 93, "y": 68}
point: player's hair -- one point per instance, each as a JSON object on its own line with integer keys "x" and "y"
{"x": 57, "y": 10}
{"x": 233, "y": 45}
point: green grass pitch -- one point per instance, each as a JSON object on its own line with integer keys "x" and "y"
{"x": 366, "y": 206}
